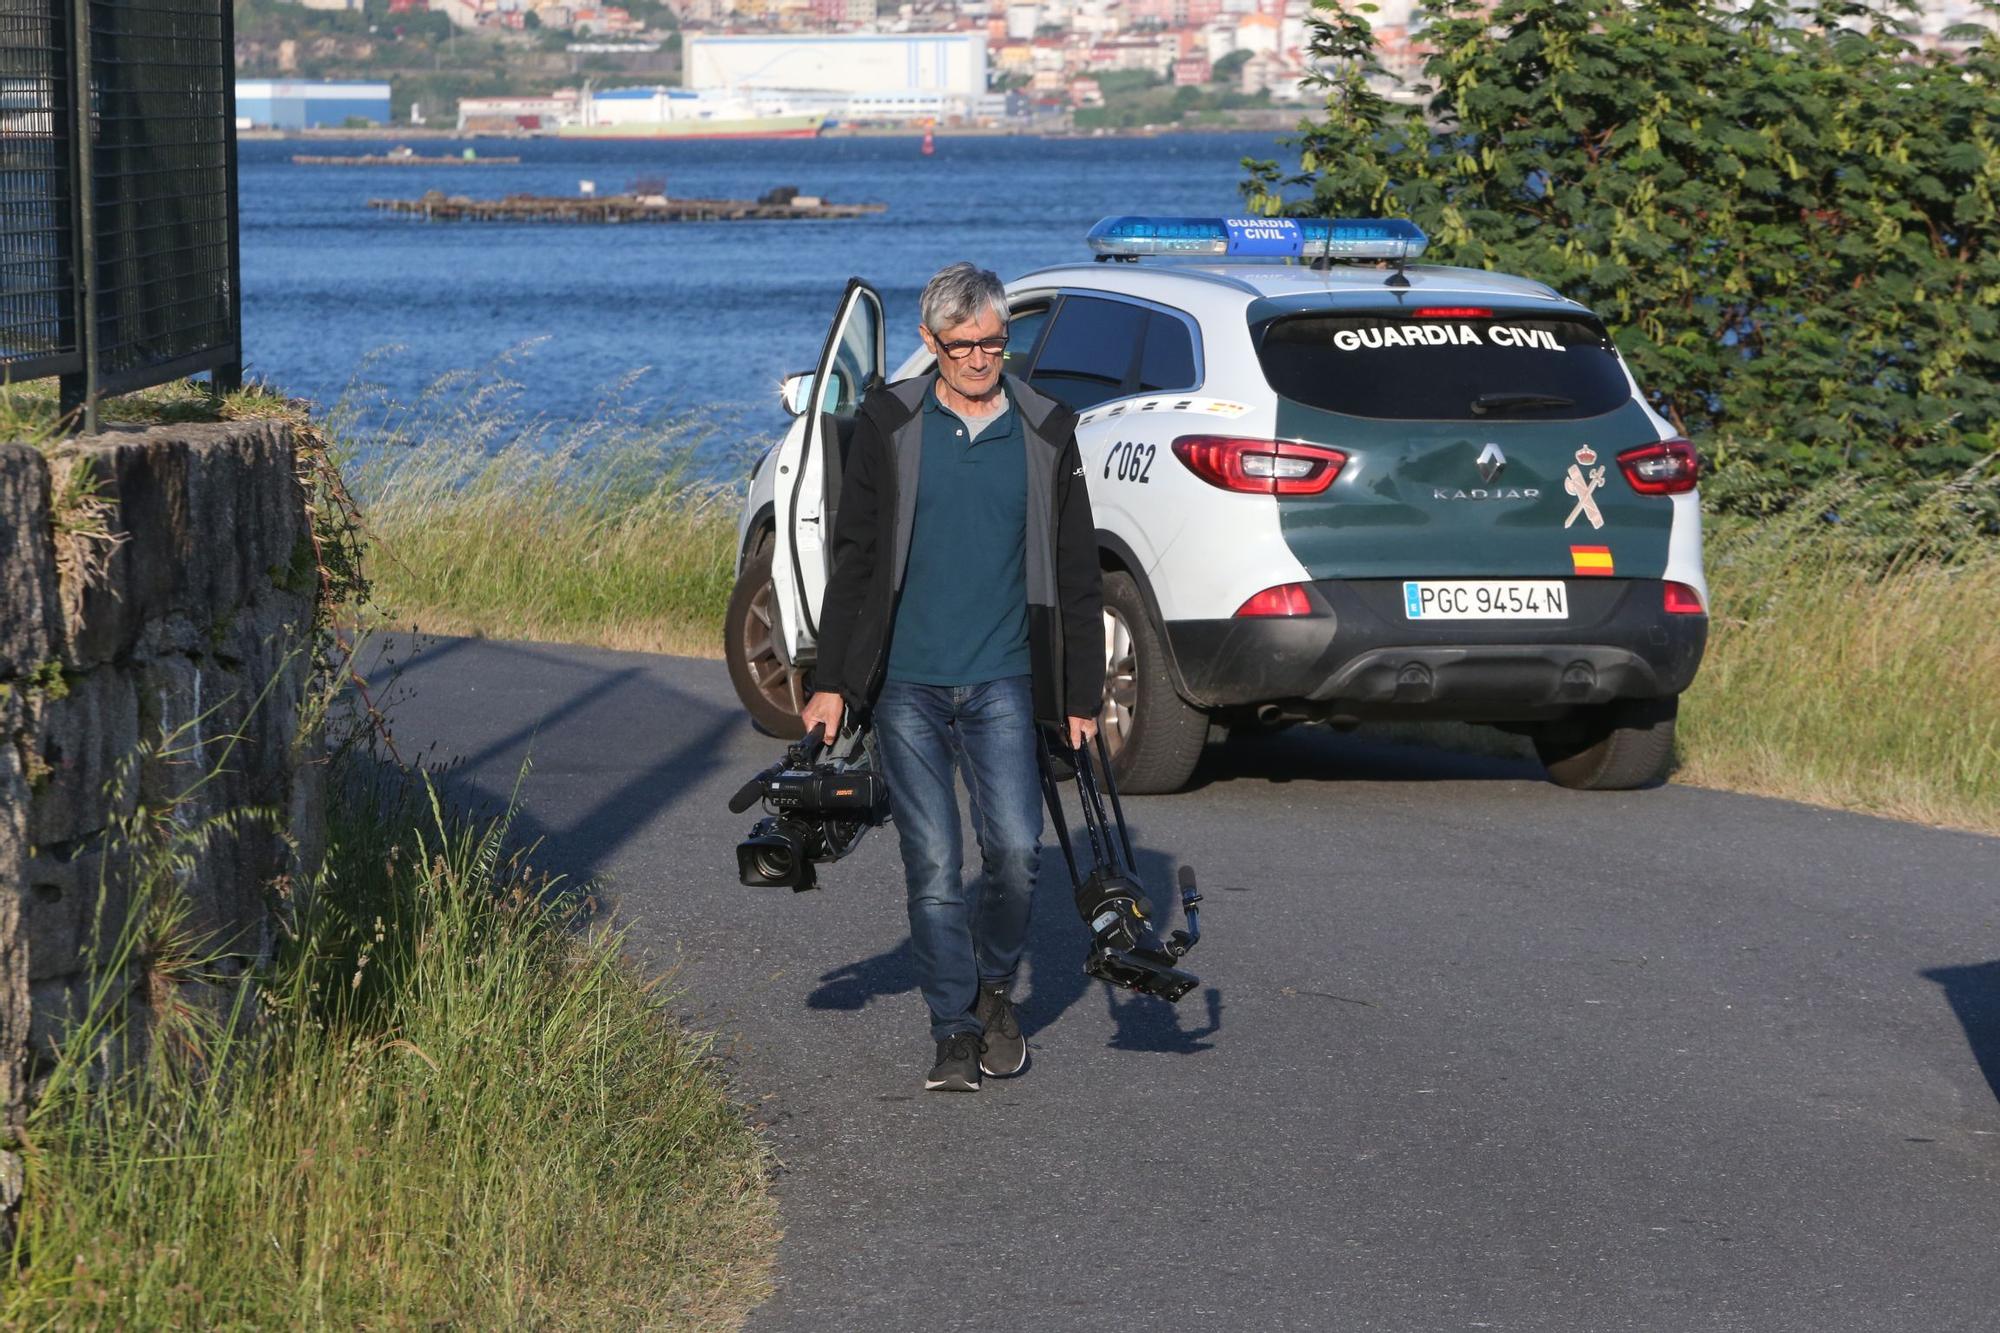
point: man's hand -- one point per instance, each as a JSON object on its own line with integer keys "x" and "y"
{"x": 825, "y": 709}
{"x": 1081, "y": 729}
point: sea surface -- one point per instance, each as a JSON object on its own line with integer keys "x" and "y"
{"x": 656, "y": 320}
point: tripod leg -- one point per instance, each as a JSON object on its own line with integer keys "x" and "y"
{"x": 1094, "y": 822}
{"x": 1117, "y": 809}
{"x": 1053, "y": 797}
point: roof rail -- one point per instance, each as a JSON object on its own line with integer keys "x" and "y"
{"x": 1189, "y": 272}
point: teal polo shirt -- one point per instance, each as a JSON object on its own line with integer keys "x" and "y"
{"x": 963, "y": 616}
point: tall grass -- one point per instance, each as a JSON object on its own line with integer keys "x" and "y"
{"x": 1853, "y": 663}
{"x": 448, "y": 1110}
{"x": 487, "y": 520}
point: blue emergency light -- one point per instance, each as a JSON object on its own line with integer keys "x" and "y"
{"x": 1283, "y": 238}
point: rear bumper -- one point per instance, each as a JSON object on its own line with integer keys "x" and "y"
{"x": 1361, "y": 657}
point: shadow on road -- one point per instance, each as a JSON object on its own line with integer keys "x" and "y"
{"x": 1146, "y": 1024}
{"x": 856, "y": 985}
{"x": 1057, "y": 943}
{"x": 680, "y": 733}
{"x": 1973, "y": 992}
{"x": 1320, "y": 754}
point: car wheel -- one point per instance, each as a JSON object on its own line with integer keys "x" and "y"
{"x": 1154, "y": 737}
{"x": 773, "y": 692}
{"x": 1614, "y": 747}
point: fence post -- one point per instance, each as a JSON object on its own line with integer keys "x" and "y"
{"x": 79, "y": 391}
{"x": 228, "y": 377}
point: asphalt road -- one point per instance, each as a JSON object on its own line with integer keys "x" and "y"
{"x": 1470, "y": 1052}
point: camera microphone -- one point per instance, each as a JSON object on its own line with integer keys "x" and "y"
{"x": 753, "y": 791}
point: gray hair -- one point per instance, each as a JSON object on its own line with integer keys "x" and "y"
{"x": 957, "y": 294}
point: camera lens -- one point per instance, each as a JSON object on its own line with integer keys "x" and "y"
{"x": 774, "y": 863}
{"x": 774, "y": 853}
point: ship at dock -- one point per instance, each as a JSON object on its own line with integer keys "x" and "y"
{"x": 685, "y": 113}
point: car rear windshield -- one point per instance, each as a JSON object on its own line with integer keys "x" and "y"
{"x": 1447, "y": 367}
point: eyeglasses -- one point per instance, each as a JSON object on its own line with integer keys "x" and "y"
{"x": 962, "y": 348}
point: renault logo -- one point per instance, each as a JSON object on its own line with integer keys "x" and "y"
{"x": 1491, "y": 461}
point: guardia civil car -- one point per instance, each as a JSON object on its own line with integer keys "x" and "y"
{"x": 1331, "y": 484}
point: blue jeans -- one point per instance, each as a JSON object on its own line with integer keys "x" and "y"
{"x": 963, "y": 937}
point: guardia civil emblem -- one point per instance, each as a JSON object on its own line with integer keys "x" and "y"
{"x": 1582, "y": 481}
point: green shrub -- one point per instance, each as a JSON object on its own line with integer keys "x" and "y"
{"x": 1786, "y": 213}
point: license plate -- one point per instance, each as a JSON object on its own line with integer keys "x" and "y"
{"x": 1468, "y": 600}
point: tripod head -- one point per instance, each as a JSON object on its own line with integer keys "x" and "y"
{"x": 1125, "y": 946}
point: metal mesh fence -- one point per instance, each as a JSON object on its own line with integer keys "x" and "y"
{"x": 37, "y": 298}
{"x": 162, "y": 74}
{"x": 156, "y": 226}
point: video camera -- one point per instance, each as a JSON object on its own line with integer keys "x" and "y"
{"x": 820, "y": 807}
{"x": 1125, "y": 949}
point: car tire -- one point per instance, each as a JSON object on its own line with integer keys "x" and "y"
{"x": 772, "y": 692}
{"x": 1154, "y": 737}
{"x": 1615, "y": 747}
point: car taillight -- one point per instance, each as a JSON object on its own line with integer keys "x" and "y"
{"x": 1682, "y": 600}
{"x": 1287, "y": 599}
{"x": 1260, "y": 467}
{"x": 1451, "y": 312}
{"x": 1666, "y": 468}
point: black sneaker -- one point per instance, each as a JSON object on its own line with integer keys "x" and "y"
{"x": 957, "y": 1068}
{"x": 1006, "y": 1053}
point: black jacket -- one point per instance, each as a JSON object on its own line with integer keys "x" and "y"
{"x": 871, "y": 549}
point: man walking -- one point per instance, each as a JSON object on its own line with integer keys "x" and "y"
{"x": 964, "y": 607}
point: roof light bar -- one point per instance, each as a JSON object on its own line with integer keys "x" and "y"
{"x": 1284, "y": 238}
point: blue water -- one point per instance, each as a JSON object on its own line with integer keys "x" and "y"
{"x": 711, "y": 316}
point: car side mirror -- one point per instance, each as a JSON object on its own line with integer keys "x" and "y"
{"x": 797, "y": 392}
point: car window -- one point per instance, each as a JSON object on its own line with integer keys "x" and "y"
{"x": 1168, "y": 361}
{"x": 1449, "y": 368}
{"x": 1088, "y": 353}
{"x": 1023, "y": 328}
{"x": 853, "y": 365}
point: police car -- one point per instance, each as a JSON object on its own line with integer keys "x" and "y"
{"x": 1331, "y": 484}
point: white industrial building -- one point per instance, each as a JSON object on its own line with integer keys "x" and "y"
{"x": 932, "y": 67}
{"x": 299, "y": 104}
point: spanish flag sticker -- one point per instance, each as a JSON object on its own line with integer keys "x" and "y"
{"x": 1591, "y": 561}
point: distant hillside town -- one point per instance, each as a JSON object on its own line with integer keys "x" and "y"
{"x": 756, "y": 67}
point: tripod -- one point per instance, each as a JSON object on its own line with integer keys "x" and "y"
{"x": 1125, "y": 949}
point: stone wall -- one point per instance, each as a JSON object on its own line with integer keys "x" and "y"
{"x": 124, "y": 680}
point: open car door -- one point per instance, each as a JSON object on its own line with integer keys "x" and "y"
{"x": 810, "y": 463}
